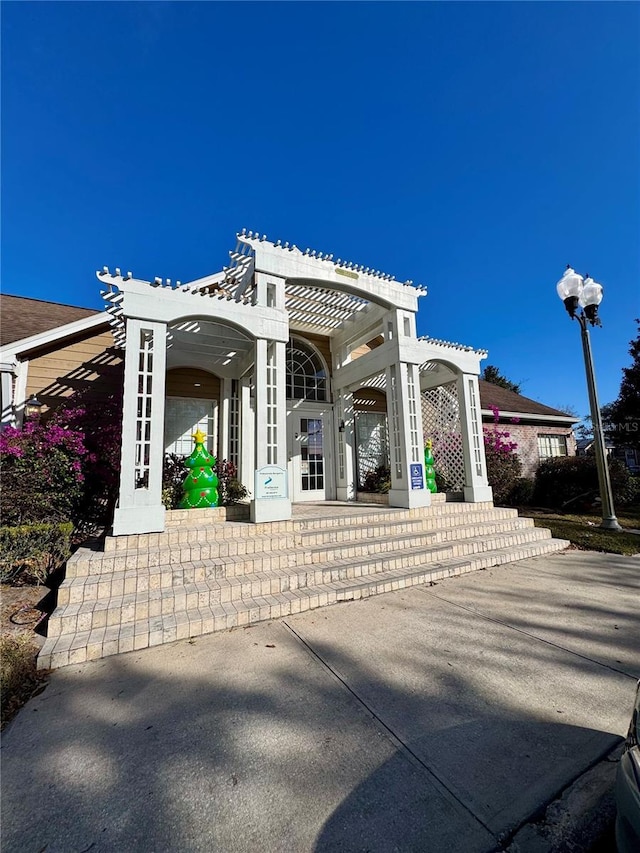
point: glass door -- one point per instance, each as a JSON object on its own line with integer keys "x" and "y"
{"x": 307, "y": 444}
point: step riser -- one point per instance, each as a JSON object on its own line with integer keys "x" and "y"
{"x": 86, "y": 563}
{"x": 233, "y": 530}
{"x": 165, "y": 596}
{"x": 105, "y": 641}
{"x": 68, "y": 592}
{"x": 105, "y": 584}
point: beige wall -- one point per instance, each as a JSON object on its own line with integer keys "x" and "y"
{"x": 89, "y": 364}
{"x": 191, "y": 382}
{"x": 321, "y": 342}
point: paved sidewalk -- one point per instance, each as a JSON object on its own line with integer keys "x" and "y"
{"x": 438, "y": 718}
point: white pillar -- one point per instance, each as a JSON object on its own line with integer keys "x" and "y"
{"x": 247, "y": 436}
{"x": 222, "y": 450}
{"x": 140, "y": 508}
{"x": 406, "y": 444}
{"x": 345, "y": 434}
{"x": 8, "y": 413}
{"x": 476, "y": 486}
{"x": 270, "y": 490}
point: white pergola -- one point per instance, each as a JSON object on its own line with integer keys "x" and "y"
{"x": 236, "y": 324}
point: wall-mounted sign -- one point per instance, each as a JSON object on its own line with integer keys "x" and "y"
{"x": 348, "y": 273}
{"x": 271, "y": 482}
{"x": 417, "y": 480}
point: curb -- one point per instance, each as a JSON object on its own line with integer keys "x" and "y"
{"x": 580, "y": 819}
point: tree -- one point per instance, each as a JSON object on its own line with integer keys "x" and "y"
{"x": 623, "y": 415}
{"x": 492, "y": 374}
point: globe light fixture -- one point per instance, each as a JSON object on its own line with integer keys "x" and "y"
{"x": 586, "y": 294}
{"x": 32, "y": 408}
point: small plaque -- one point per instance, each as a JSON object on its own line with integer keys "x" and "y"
{"x": 417, "y": 480}
{"x": 271, "y": 482}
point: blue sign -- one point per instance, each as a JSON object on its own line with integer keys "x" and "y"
{"x": 417, "y": 480}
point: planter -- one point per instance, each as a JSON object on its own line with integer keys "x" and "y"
{"x": 373, "y": 498}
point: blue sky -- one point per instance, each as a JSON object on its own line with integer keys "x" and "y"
{"x": 475, "y": 148}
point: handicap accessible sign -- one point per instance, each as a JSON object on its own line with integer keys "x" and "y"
{"x": 271, "y": 482}
{"x": 417, "y": 481}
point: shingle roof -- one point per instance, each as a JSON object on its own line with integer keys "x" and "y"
{"x": 21, "y": 317}
{"x": 509, "y": 401}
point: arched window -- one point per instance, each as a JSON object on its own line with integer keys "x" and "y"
{"x": 306, "y": 376}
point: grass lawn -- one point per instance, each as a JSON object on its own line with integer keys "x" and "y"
{"x": 583, "y": 530}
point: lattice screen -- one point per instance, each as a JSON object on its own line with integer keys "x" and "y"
{"x": 441, "y": 423}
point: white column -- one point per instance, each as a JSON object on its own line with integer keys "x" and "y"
{"x": 8, "y": 414}
{"x": 476, "y": 487}
{"x": 270, "y": 434}
{"x": 223, "y": 421}
{"x": 247, "y": 436}
{"x": 20, "y": 391}
{"x": 345, "y": 433}
{"x": 406, "y": 444}
{"x": 140, "y": 508}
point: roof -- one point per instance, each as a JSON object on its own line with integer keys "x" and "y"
{"x": 21, "y": 317}
{"x": 508, "y": 401}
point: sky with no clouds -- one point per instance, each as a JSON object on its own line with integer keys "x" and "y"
{"x": 475, "y": 148}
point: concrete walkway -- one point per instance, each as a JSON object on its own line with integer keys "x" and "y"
{"x": 437, "y": 718}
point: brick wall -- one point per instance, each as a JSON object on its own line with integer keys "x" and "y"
{"x": 526, "y": 437}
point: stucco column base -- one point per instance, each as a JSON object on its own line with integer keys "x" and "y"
{"x": 408, "y": 499}
{"x": 478, "y": 494}
{"x": 272, "y": 509}
{"x": 138, "y": 519}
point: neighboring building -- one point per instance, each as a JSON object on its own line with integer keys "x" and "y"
{"x": 629, "y": 456}
{"x": 539, "y": 431}
{"x": 300, "y": 370}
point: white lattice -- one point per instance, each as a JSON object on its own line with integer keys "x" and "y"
{"x": 441, "y": 423}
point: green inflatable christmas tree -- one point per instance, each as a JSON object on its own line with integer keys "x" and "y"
{"x": 429, "y": 470}
{"x": 201, "y": 483}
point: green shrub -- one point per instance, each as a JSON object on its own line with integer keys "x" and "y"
{"x": 173, "y": 475}
{"x": 503, "y": 471}
{"x": 19, "y": 678}
{"x": 565, "y": 480}
{"x": 522, "y": 492}
{"x": 378, "y": 480}
{"x": 33, "y": 550}
{"x": 230, "y": 489}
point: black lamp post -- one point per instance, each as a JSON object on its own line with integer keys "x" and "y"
{"x": 586, "y": 294}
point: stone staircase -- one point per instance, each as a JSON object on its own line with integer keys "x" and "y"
{"x": 212, "y": 570}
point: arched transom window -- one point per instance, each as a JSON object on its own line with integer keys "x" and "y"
{"x": 306, "y": 375}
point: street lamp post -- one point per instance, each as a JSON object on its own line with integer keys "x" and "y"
{"x": 576, "y": 291}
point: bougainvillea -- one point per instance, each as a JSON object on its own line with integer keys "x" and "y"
{"x": 64, "y": 467}
{"x": 503, "y": 464}
{"x": 42, "y": 473}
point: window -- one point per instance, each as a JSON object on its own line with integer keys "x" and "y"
{"x": 552, "y": 445}
{"x": 182, "y": 417}
{"x": 306, "y": 376}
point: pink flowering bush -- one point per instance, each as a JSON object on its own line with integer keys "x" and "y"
{"x": 64, "y": 468}
{"x": 503, "y": 463}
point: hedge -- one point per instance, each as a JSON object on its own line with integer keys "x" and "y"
{"x": 34, "y": 550}
{"x": 568, "y": 480}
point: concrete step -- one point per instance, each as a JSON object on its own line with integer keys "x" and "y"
{"x": 80, "y": 645}
{"x": 339, "y": 516}
{"x": 97, "y": 585}
{"x": 196, "y": 544}
{"x": 125, "y": 597}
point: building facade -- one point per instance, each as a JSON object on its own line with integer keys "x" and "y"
{"x": 306, "y": 373}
